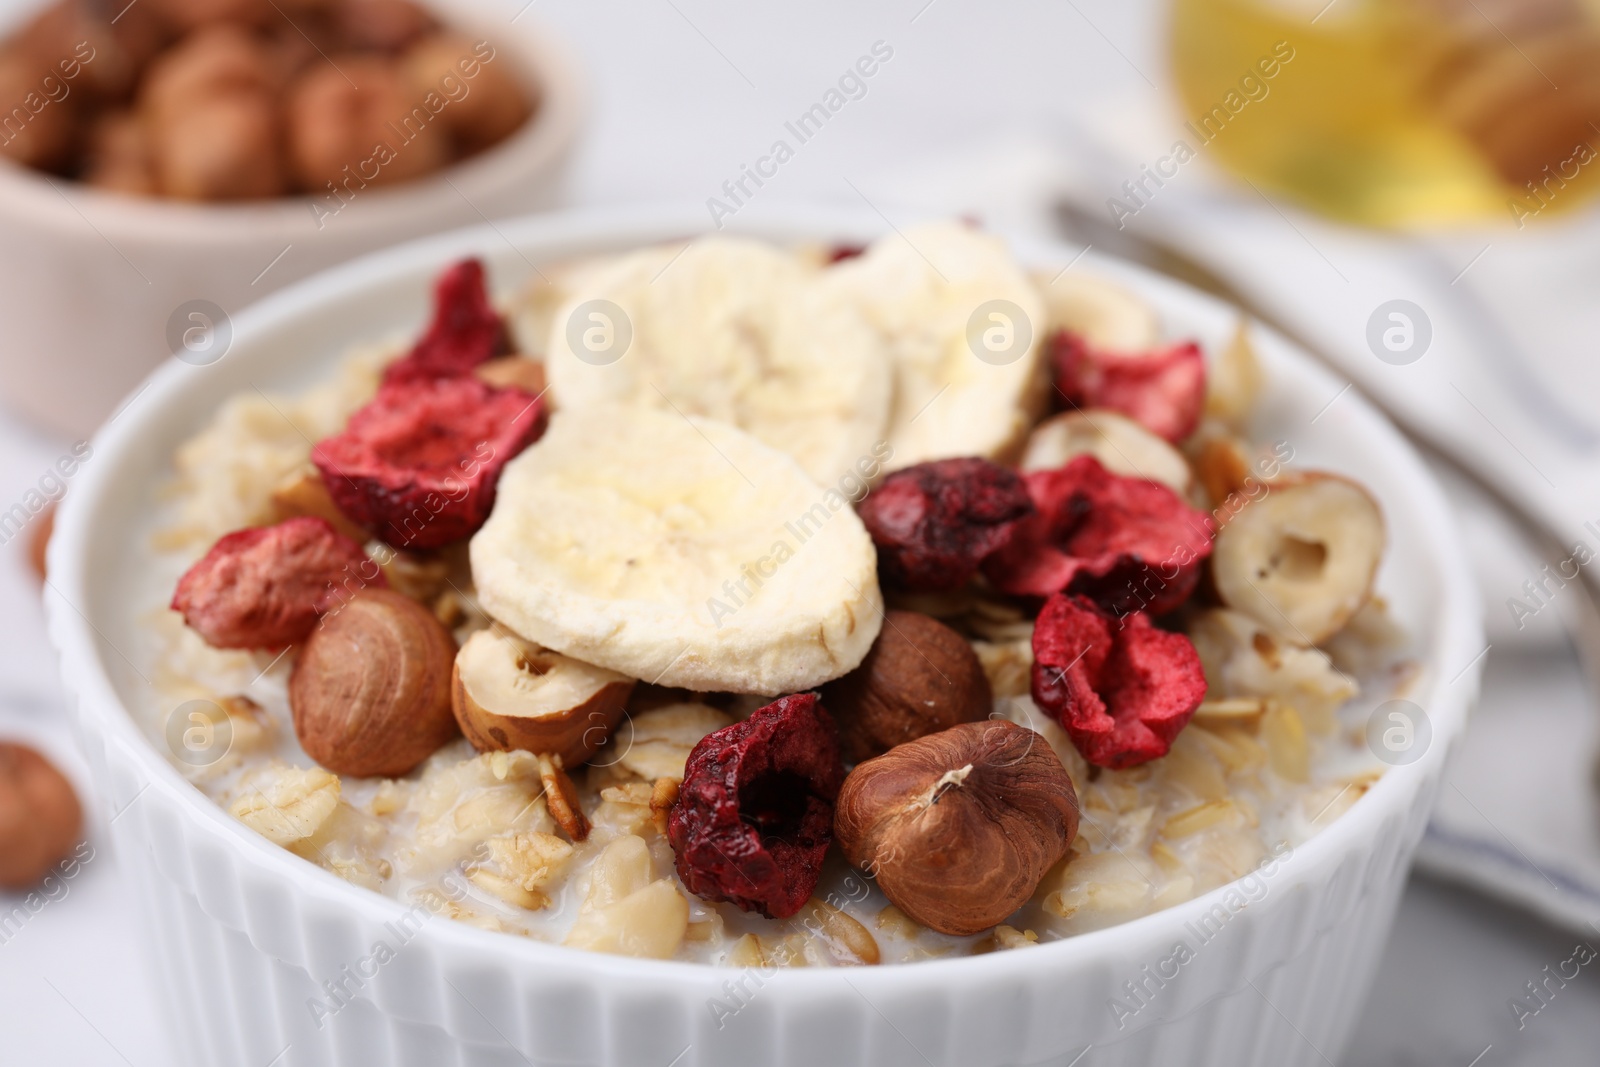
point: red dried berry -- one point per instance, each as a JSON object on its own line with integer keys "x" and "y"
{"x": 754, "y": 815}
{"x": 418, "y": 465}
{"x": 841, "y": 252}
{"x": 1121, "y": 689}
{"x": 934, "y": 523}
{"x": 1131, "y": 544}
{"x": 466, "y": 330}
{"x": 1163, "y": 389}
{"x": 266, "y": 587}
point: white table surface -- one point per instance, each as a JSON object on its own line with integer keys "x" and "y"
{"x": 684, "y": 92}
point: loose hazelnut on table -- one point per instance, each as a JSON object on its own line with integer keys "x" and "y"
{"x": 40, "y": 818}
{"x": 371, "y": 690}
{"x": 39, "y": 541}
{"x": 958, "y": 828}
{"x": 509, "y": 694}
{"x": 919, "y": 677}
{"x": 1301, "y": 559}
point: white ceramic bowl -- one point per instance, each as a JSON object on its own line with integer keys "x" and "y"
{"x": 90, "y": 280}
{"x": 245, "y": 934}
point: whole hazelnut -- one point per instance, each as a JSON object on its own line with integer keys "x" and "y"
{"x": 220, "y": 61}
{"x": 918, "y": 678}
{"x": 226, "y": 148}
{"x": 45, "y": 139}
{"x": 371, "y": 690}
{"x": 488, "y": 101}
{"x": 40, "y": 819}
{"x": 382, "y": 25}
{"x": 118, "y": 156}
{"x": 185, "y": 15}
{"x": 360, "y": 124}
{"x": 959, "y": 827}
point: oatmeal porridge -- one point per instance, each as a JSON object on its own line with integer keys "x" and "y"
{"x": 773, "y": 607}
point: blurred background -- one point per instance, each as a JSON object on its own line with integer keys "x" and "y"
{"x": 1407, "y": 186}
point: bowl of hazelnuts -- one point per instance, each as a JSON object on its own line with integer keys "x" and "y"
{"x": 166, "y": 162}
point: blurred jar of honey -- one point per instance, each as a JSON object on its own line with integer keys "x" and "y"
{"x": 1400, "y": 112}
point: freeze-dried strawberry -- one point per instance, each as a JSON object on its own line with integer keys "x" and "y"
{"x": 754, "y": 816}
{"x": 1130, "y": 544}
{"x": 1121, "y": 689}
{"x": 1163, "y": 389}
{"x": 465, "y": 331}
{"x": 418, "y": 465}
{"x": 934, "y": 523}
{"x": 266, "y": 587}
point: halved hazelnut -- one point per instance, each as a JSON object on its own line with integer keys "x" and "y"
{"x": 919, "y": 677}
{"x": 1301, "y": 559}
{"x": 1120, "y": 444}
{"x": 510, "y": 694}
{"x": 371, "y": 690}
{"x": 959, "y": 827}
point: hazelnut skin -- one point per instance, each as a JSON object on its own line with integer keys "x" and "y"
{"x": 918, "y": 678}
{"x": 958, "y": 828}
{"x": 370, "y": 692}
{"x": 40, "y": 818}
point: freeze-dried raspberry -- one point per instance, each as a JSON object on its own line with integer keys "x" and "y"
{"x": 935, "y": 522}
{"x": 466, "y": 330}
{"x": 754, "y": 815}
{"x": 1122, "y": 693}
{"x": 1130, "y": 544}
{"x": 266, "y": 587}
{"x": 418, "y": 465}
{"x": 1163, "y": 389}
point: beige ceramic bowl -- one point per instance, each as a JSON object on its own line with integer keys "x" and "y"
{"x": 98, "y": 288}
